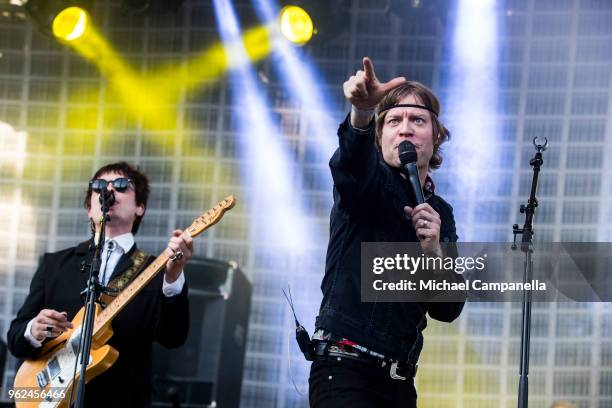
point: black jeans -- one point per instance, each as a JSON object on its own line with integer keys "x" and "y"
{"x": 348, "y": 383}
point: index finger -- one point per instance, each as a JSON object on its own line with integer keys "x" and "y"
{"x": 53, "y": 314}
{"x": 368, "y": 68}
{"x": 424, "y": 207}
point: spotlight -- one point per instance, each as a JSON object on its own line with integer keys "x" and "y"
{"x": 316, "y": 21}
{"x": 296, "y": 24}
{"x": 67, "y": 20}
{"x": 71, "y": 24}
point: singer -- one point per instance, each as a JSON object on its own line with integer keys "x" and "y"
{"x": 159, "y": 313}
{"x": 367, "y": 353}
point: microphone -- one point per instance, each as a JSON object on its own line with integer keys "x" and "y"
{"x": 408, "y": 157}
{"x": 107, "y": 199}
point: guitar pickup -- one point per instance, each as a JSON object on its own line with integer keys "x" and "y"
{"x": 53, "y": 368}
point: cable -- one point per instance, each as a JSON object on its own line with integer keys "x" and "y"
{"x": 300, "y": 393}
{"x": 301, "y": 336}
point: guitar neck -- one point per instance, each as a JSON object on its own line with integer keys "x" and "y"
{"x": 199, "y": 225}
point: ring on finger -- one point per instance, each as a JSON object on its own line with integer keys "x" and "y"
{"x": 48, "y": 330}
{"x": 176, "y": 255}
{"x": 425, "y": 223}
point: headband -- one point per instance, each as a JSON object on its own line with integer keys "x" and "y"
{"x": 408, "y": 105}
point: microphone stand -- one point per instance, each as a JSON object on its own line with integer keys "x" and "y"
{"x": 527, "y": 247}
{"x": 92, "y": 292}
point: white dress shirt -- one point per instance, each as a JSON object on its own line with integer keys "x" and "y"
{"x": 122, "y": 244}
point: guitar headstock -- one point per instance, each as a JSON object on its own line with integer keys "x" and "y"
{"x": 212, "y": 216}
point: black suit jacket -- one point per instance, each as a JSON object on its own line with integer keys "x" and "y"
{"x": 149, "y": 317}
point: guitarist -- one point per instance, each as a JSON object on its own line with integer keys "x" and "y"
{"x": 159, "y": 312}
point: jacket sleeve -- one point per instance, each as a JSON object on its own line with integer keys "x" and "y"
{"x": 354, "y": 165}
{"x": 448, "y": 311}
{"x": 34, "y": 303}
{"x": 172, "y": 319}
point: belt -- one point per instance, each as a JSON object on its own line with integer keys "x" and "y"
{"x": 398, "y": 370}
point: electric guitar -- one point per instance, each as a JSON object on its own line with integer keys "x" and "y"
{"x": 46, "y": 382}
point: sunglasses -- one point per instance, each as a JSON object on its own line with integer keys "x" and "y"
{"x": 120, "y": 184}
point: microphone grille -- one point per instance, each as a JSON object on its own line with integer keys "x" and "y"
{"x": 407, "y": 152}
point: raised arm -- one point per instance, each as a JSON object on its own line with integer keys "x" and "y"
{"x": 354, "y": 164}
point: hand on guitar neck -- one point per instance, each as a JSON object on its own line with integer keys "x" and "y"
{"x": 180, "y": 249}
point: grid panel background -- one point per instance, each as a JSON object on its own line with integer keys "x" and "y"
{"x": 554, "y": 74}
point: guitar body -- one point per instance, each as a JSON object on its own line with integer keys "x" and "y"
{"x": 55, "y": 366}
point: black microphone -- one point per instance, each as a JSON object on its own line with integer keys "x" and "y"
{"x": 408, "y": 157}
{"x": 107, "y": 196}
{"x": 107, "y": 199}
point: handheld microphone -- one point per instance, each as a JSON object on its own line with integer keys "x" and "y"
{"x": 408, "y": 158}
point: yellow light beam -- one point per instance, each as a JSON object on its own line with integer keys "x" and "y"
{"x": 150, "y": 103}
{"x": 212, "y": 63}
{"x": 154, "y": 97}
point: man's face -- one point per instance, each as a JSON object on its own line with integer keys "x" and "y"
{"x": 124, "y": 212}
{"x": 413, "y": 124}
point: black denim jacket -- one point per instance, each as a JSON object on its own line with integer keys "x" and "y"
{"x": 369, "y": 197}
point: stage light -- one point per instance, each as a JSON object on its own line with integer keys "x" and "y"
{"x": 313, "y": 22}
{"x": 296, "y": 24}
{"x": 279, "y": 227}
{"x": 297, "y": 69}
{"x": 473, "y": 76}
{"x": 66, "y": 20}
{"x": 70, "y": 24}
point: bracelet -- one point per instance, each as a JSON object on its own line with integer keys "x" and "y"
{"x": 361, "y": 115}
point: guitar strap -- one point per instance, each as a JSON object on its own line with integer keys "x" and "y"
{"x": 121, "y": 281}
